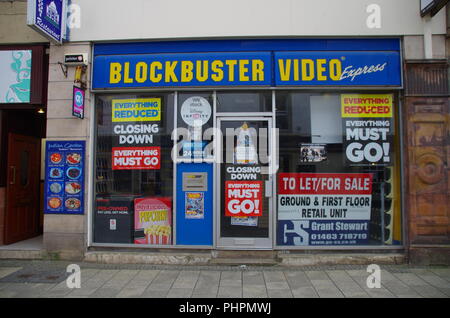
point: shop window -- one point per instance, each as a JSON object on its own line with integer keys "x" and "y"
{"x": 338, "y": 179}
{"x": 244, "y": 102}
{"x": 134, "y": 170}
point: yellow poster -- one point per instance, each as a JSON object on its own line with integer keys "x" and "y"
{"x": 138, "y": 109}
{"x": 366, "y": 105}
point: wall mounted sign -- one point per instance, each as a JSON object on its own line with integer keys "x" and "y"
{"x": 337, "y": 69}
{"x": 64, "y": 176}
{"x": 15, "y": 79}
{"x": 338, "y": 62}
{"x": 78, "y": 101}
{"x": 48, "y": 17}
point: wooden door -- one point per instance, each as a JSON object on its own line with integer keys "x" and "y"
{"x": 22, "y": 189}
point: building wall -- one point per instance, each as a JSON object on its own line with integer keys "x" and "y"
{"x": 65, "y": 235}
{"x": 13, "y": 24}
{"x": 168, "y": 19}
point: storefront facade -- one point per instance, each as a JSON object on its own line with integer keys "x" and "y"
{"x": 265, "y": 153}
{"x": 290, "y": 144}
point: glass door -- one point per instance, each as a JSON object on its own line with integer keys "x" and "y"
{"x": 244, "y": 184}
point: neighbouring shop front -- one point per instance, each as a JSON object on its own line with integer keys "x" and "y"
{"x": 23, "y": 98}
{"x": 243, "y": 144}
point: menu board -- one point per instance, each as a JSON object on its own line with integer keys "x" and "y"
{"x": 64, "y": 177}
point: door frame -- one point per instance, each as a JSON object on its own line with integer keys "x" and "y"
{"x": 244, "y": 243}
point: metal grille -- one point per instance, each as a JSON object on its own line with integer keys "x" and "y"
{"x": 427, "y": 79}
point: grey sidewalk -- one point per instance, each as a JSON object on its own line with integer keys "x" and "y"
{"x": 48, "y": 279}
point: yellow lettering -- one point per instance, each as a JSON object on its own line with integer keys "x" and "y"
{"x": 257, "y": 70}
{"x": 285, "y": 70}
{"x": 307, "y": 70}
{"x": 141, "y": 72}
{"x": 321, "y": 69}
{"x": 231, "y": 64}
{"x": 155, "y": 78}
{"x": 243, "y": 70}
{"x": 114, "y": 73}
{"x": 216, "y": 67}
{"x": 335, "y": 70}
{"x": 296, "y": 71}
{"x": 170, "y": 75}
{"x": 126, "y": 74}
{"x": 186, "y": 71}
{"x": 202, "y": 71}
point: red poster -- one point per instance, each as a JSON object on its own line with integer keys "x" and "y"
{"x": 243, "y": 198}
{"x": 136, "y": 158}
{"x": 325, "y": 183}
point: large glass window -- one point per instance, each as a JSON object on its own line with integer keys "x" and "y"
{"x": 133, "y": 171}
{"x": 337, "y": 181}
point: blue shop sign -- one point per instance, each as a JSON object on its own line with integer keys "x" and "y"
{"x": 248, "y": 63}
{"x": 180, "y": 70}
{"x": 48, "y": 17}
{"x": 337, "y": 69}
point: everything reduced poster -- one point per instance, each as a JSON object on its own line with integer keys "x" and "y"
{"x": 64, "y": 176}
{"x": 368, "y": 129}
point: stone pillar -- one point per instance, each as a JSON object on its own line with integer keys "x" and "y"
{"x": 65, "y": 235}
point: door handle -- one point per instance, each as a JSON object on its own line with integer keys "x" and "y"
{"x": 13, "y": 175}
{"x": 268, "y": 188}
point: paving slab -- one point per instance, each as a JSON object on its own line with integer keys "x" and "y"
{"x": 346, "y": 284}
{"x": 254, "y": 291}
{"x": 304, "y": 292}
{"x": 186, "y": 280}
{"x": 97, "y": 279}
{"x": 6, "y": 271}
{"x": 230, "y": 279}
{"x": 179, "y": 293}
{"x": 275, "y": 280}
{"x": 229, "y": 292}
{"x": 279, "y": 293}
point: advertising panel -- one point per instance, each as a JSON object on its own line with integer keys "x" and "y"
{"x": 64, "y": 177}
{"x": 368, "y": 128}
{"x": 78, "y": 102}
{"x": 48, "y": 17}
{"x": 15, "y": 79}
{"x": 113, "y": 219}
{"x": 324, "y": 208}
{"x": 153, "y": 221}
{"x": 194, "y": 205}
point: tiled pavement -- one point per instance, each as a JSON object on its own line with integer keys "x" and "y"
{"x": 21, "y": 279}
